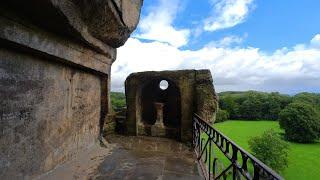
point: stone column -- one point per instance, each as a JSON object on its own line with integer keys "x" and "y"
{"x": 159, "y": 108}
{"x": 158, "y": 128}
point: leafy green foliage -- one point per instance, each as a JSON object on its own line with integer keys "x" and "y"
{"x": 118, "y": 100}
{"x": 252, "y": 105}
{"x": 308, "y": 98}
{"x": 222, "y": 115}
{"x": 228, "y": 103}
{"x": 270, "y": 149}
{"x": 301, "y": 122}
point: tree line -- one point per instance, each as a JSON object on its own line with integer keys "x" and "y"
{"x": 254, "y": 105}
{"x": 298, "y": 115}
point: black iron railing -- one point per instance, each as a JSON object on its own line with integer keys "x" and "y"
{"x": 237, "y": 164}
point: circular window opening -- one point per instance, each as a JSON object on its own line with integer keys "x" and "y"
{"x": 163, "y": 84}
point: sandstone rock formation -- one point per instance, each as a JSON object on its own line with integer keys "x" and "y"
{"x": 102, "y": 24}
{"x": 55, "y": 61}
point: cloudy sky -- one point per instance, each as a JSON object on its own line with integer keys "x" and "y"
{"x": 268, "y": 45}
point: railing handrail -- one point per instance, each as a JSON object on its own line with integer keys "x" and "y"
{"x": 234, "y": 162}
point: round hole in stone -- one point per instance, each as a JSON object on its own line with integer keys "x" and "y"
{"x": 163, "y": 84}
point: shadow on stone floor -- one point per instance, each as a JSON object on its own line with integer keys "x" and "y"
{"x": 131, "y": 158}
{"x": 147, "y": 158}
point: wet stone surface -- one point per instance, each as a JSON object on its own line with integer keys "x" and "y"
{"x": 147, "y": 158}
{"x": 130, "y": 158}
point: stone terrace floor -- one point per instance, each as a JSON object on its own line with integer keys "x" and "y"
{"x": 131, "y": 158}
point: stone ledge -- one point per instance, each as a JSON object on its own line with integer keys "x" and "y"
{"x": 39, "y": 41}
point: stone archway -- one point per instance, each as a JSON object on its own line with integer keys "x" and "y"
{"x": 168, "y": 101}
{"x": 189, "y": 92}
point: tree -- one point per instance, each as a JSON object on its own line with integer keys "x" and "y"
{"x": 250, "y": 109}
{"x": 228, "y": 103}
{"x": 272, "y": 105}
{"x": 308, "y": 98}
{"x": 222, "y": 115}
{"x": 253, "y": 105}
{"x": 270, "y": 149}
{"x": 118, "y": 100}
{"x": 301, "y": 122}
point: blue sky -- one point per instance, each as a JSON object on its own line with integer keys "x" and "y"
{"x": 270, "y": 25}
{"x": 268, "y": 45}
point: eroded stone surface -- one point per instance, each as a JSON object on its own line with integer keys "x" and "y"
{"x": 100, "y": 23}
{"x": 55, "y": 61}
{"x": 48, "y": 114}
{"x": 206, "y": 97}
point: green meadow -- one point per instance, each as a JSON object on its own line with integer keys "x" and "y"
{"x": 304, "y": 159}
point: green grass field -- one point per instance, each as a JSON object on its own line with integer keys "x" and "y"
{"x": 304, "y": 159}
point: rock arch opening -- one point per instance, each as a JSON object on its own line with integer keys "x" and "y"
{"x": 161, "y": 107}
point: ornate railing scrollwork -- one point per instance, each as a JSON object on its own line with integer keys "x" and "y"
{"x": 207, "y": 141}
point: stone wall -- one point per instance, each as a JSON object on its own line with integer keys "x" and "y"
{"x": 55, "y": 78}
{"x": 197, "y": 95}
{"x": 49, "y": 112}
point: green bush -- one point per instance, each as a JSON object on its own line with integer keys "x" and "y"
{"x": 118, "y": 100}
{"x": 271, "y": 150}
{"x": 301, "y": 122}
{"x": 222, "y": 115}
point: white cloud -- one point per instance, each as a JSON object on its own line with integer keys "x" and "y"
{"x": 315, "y": 42}
{"x": 286, "y": 70}
{"x": 227, "y": 13}
{"x": 137, "y": 56}
{"x": 158, "y": 24}
{"x": 227, "y": 41}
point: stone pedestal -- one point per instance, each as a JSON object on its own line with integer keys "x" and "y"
{"x": 158, "y": 128}
{"x": 159, "y": 108}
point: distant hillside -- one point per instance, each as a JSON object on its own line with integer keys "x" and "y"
{"x": 231, "y": 92}
{"x": 239, "y": 92}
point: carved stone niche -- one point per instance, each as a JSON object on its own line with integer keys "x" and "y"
{"x": 166, "y": 111}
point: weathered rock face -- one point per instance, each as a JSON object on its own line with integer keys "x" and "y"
{"x": 48, "y": 114}
{"x": 55, "y": 61}
{"x": 120, "y": 18}
{"x": 102, "y": 24}
{"x": 188, "y": 92}
{"x": 206, "y": 99}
